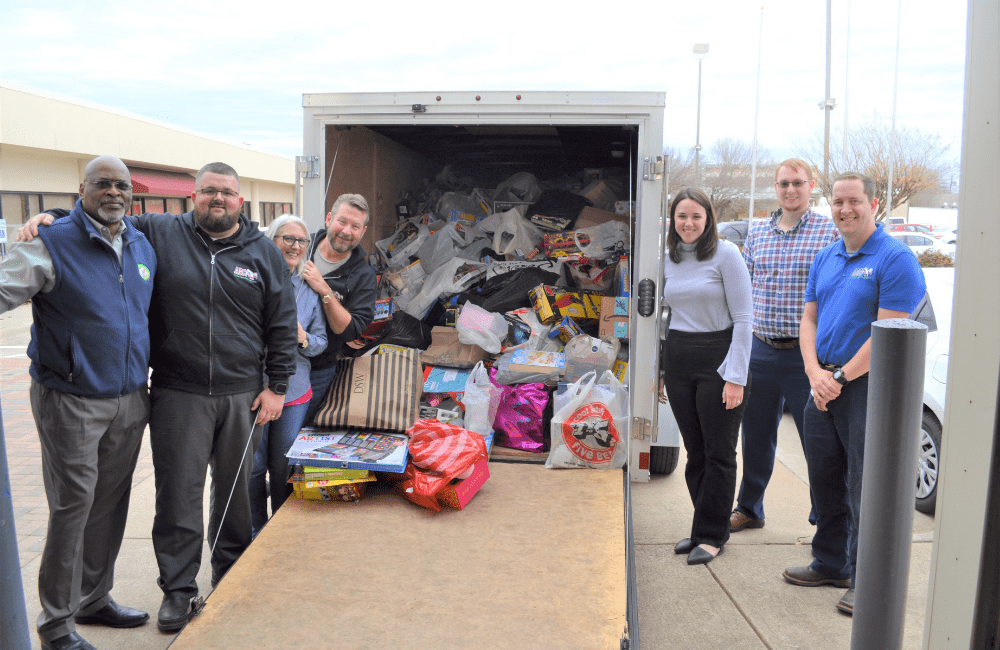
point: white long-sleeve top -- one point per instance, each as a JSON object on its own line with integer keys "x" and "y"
{"x": 711, "y": 296}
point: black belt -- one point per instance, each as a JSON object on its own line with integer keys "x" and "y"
{"x": 779, "y": 344}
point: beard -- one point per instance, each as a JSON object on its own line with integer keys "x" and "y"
{"x": 216, "y": 224}
{"x": 109, "y": 215}
{"x": 340, "y": 244}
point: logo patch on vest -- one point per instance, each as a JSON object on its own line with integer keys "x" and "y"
{"x": 246, "y": 274}
{"x": 144, "y": 272}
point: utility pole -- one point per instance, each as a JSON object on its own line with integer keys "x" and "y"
{"x": 828, "y": 103}
{"x": 700, "y": 50}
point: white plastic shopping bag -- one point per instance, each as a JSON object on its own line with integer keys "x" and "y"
{"x": 590, "y": 424}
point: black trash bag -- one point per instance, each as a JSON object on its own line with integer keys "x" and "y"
{"x": 403, "y": 330}
{"x": 508, "y": 291}
{"x": 559, "y": 203}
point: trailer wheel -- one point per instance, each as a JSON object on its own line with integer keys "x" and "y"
{"x": 663, "y": 460}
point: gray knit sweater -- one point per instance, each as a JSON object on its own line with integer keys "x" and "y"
{"x": 711, "y": 296}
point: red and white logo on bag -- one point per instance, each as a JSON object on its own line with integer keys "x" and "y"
{"x": 590, "y": 433}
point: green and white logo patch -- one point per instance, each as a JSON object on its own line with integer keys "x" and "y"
{"x": 144, "y": 272}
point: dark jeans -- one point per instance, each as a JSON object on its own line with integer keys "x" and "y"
{"x": 694, "y": 389}
{"x": 835, "y": 453}
{"x": 270, "y": 465}
{"x": 779, "y": 377}
{"x": 320, "y": 381}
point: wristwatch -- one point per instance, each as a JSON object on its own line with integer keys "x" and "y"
{"x": 279, "y": 388}
{"x": 328, "y": 297}
{"x": 838, "y": 376}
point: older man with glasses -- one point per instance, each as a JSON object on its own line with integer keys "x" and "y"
{"x": 90, "y": 280}
{"x": 778, "y": 252}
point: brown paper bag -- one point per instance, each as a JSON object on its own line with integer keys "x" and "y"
{"x": 446, "y": 350}
{"x": 380, "y": 391}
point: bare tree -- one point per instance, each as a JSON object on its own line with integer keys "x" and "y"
{"x": 680, "y": 166}
{"x": 728, "y": 172}
{"x": 919, "y": 160}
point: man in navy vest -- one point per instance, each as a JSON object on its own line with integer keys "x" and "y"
{"x": 90, "y": 279}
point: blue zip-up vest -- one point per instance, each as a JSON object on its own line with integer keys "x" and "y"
{"x": 90, "y": 334}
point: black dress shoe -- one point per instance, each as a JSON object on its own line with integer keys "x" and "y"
{"x": 114, "y": 615}
{"x": 71, "y": 641}
{"x": 684, "y": 546}
{"x": 175, "y": 610}
{"x": 698, "y": 555}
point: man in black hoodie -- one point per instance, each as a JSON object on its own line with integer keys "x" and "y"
{"x": 222, "y": 317}
{"x": 338, "y": 271}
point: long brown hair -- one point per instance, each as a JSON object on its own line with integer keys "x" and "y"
{"x": 709, "y": 240}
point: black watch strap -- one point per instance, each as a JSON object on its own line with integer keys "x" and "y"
{"x": 838, "y": 376}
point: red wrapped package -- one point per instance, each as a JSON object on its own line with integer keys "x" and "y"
{"x": 439, "y": 453}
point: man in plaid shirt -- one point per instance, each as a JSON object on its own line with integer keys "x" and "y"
{"x": 778, "y": 252}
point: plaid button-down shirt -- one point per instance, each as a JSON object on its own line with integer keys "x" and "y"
{"x": 779, "y": 269}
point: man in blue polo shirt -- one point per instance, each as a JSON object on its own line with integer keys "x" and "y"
{"x": 867, "y": 276}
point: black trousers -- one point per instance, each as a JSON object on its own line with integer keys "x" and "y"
{"x": 710, "y": 432}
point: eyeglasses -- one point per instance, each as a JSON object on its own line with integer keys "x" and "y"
{"x": 796, "y": 184}
{"x": 121, "y": 186}
{"x": 291, "y": 241}
{"x": 210, "y": 192}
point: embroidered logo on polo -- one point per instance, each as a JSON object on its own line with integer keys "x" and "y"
{"x": 246, "y": 274}
{"x": 144, "y": 272}
{"x": 863, "y": 273}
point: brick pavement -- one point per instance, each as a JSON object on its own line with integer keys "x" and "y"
{"x": 31, "y": 511}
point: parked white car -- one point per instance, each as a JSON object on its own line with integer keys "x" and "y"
{"x": 946, "y": 234}
{"x": 919, "y": 243}
{"x": 935, "y": 313}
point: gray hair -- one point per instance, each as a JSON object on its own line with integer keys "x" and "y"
{"x": 275, "y": 228}
{"x": 356, "y": 201}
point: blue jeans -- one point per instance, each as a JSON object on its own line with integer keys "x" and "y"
{"x": 270, "y": 459}
{"x": 320, "y": 381}
{"x": 779, "y": 376}
{"x": 835, "y": 453}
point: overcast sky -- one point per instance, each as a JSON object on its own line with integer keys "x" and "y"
{"x": 238, "y": 70}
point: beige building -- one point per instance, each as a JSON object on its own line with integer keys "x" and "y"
{"x": 46, "y": 141}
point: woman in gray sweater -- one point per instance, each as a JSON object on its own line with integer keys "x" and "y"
{"x": 705, "y": 365}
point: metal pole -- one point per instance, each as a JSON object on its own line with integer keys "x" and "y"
{"x": 895, "y": 402}
{"x": 847, "y": 85}
{"x": 892, "y": 134}
{"x": 13, "y": 615}
{"x": 697, "y": 134}
{"x": 756, "y": 119}
{"x": 827, "y": 107}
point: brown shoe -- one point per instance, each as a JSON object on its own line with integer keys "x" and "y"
{"x": 738, "y": 521}
{"x": 846, "y": 603}
{"x": 806, "y": 576}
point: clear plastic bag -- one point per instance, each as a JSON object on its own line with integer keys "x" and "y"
{"x": 406, "y": 241}
{"x": 515, "y": 235}
{"x": 450, "y": 278}
{"x": 480, "y": 401}
{"x": 477, "y": 326}
{"x": 607, "y": 239}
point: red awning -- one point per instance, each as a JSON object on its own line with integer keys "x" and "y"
{"x": 162, "y": 184}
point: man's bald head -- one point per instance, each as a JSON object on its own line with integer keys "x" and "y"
{"x": 106, "y": 190}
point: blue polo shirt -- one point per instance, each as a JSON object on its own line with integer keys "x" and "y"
{"x": 850, "y": 289}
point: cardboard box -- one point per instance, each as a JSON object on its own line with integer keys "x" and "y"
{"x": 457, "y": 495}
{"x": 600, "y": 195}
{"x": 623, "y": 280}
{"x": 446, "y": 350}
{"x": 614, "y": 317}
{"x": 552, "y": 304}
{"x": 590, "y": 217}
{"x": 536, "y": 361}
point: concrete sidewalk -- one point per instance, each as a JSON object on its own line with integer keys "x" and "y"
{"x": 737, "y": 601}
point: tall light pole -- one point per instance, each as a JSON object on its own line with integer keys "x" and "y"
{"x": 700, "y": 50}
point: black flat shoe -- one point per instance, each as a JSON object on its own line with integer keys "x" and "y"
{"x": 684, "y": 546}
{"x": 114, "y": 615}
{"x": 700, "y": 556}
